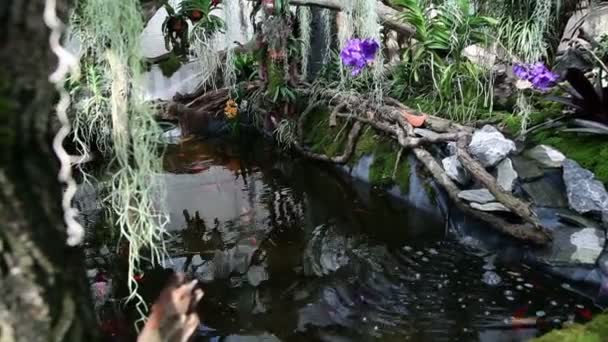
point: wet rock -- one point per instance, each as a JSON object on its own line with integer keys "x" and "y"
{"x": 585, "y": 193}
{"x": 577, "y": 220}
{"x": 546, "y": 155}
{"x": 506, "y": 174}
{"x": 574, "y": 246}
{"x": 589, "y": 244}
{"x": 480, "y": 196}
{"x": 454, "y": 169}
{"x": 491, "y": 278}
{"x": 489, "y": 146}
{"x": 547, "y": 192}
{"x": 256, "y": 275}
{"x": 493, "y": 206}
{"x": 527, "y": 169}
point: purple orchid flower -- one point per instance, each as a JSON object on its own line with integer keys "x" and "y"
{"x": 357, "y": 54}
{"x": 537, "y": 74}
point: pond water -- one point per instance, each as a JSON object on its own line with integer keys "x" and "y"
{"x": 288, "y": 250}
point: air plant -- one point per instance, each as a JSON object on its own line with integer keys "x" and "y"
{"x": 176, "y": 28}
{"x": 588, "y": 101}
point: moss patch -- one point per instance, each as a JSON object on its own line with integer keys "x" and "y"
{"x": 594, "y": 331}
{"x": 590, "y": 151}
{"x": 324, "y": 139}
{"x": 170, "y": 65}
{"x": 385, "y": 158}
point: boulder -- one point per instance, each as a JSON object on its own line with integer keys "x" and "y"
{"x": 527, "y": 169}
{"x": 492, "y": 206}
{"x": 489, "y": 146}
{"x": 506, "y": 174}
{"x": 585, "y": 193}
{"x": 454, "y": 169}
{"x": 545, "y": 155}
{"x": 548, "y": 192}
{"x": 480, "y": 196}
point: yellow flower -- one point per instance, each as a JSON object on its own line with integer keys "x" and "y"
{"x": 231, "y": 109}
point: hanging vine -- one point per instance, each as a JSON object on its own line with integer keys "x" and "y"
{"x": 110, "y": 116}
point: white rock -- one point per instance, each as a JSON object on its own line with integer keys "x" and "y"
{"x": 546, "y": 155}
{"x": 454, "y": 169}
{"x": 480, "y": 196}
{"x": 588, "y": 245}
{"x": 489, "y": 146}
{"x": 493, "y": 206}
{"x": 506, "y": 174}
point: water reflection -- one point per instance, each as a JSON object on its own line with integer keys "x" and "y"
{"x": 289, "y": 251}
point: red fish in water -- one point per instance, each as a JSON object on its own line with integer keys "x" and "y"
{"x": 585, "y": 313}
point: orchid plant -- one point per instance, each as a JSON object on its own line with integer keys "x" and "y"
{"x": 357, "y": 54}
{"x": 537, "y": 76}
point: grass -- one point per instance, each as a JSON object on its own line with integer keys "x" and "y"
{"x": 594, "y": 331}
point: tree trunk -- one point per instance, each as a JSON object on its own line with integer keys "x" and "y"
{"x": 45, "y": 295}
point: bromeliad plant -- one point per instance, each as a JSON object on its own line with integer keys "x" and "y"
{"x": 176, "y": 26}
{"x": 588, "y": 101}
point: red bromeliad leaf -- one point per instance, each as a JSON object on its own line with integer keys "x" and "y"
{"x": 415, "y": 120}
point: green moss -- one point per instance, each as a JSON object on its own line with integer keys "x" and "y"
{"x": 382, "y": 168}
{"x": 594, "y": 331}
{"x": 170, "y": 65}
{"x": 324, "y": 139}
{"x": 590, "y": 151}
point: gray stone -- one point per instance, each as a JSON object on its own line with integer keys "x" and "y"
{"x": 585, "y": 193}
{"x": 492, "y": 206}
{"x": 527, "y": 169}
{"x": 489, "y": 146}
{"x": 506, "y": 174}
{"x": 454, "y": 169}
{"x": 546, "y": 155}
{"x": 480, "y": 196}
{"x": 574, "y": 246}
{"x": 545, "y": 193}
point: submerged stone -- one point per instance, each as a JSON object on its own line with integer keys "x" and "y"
{"x": 489, "y": 146}
{"x": 585, "y": 193}
{"x": 480, "y": 196}
{"x": 546, "y": 155}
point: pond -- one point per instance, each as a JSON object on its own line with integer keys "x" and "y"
{"x": 289, "y": 250}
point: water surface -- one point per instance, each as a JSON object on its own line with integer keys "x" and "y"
{"x": 289, "y": 250}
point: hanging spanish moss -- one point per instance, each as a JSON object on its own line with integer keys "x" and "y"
{"x": 326, "y": 24}
{"x": 305, "y": 18}
{"x": 346, "y": 31}
{"x": 206, "y": 51}
{"x": 232, "y": 22}
{"x": 110, "y": 115}
{"x": 367, "y": 25}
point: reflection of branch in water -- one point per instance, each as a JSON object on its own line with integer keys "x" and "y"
{"x": 194, "y": 236}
